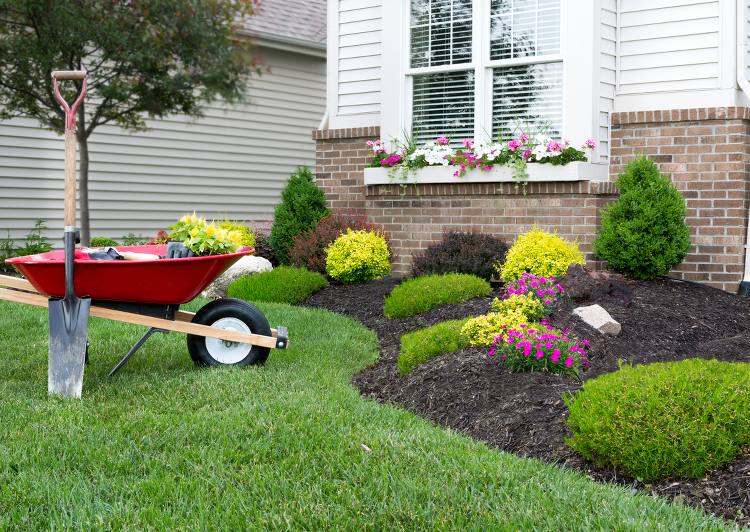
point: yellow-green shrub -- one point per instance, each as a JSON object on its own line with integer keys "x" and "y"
{"x": 483, "y": 329}
{"x": 248, "y": 237}
{"x": 530, "y": 306}
{"x": 358, "y": 256}
{"x": 540, "y": 253}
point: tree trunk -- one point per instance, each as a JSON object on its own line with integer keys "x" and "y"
{"x": 83, "y": 183}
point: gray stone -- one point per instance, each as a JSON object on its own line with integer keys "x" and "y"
{"x": 599, "y": 319}
{"x": 245, "y": 266}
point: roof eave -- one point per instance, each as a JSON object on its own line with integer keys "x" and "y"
{"x": 289, "y": 44}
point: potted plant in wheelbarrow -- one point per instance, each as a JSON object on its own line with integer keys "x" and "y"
{"x": 143, "y": 285}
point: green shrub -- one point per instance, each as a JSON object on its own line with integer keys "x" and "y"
{"x": 643, "y": 233}
{"x": 672, "y": 419}
{"x": 358, "y": 256}
{"x": 482, "y": 330}
{"x": 420, "y": 346}
{"x": 540, "y": 253}
{"x": 248, "y": 236}
{"x": 424, "y": 293}
{"x": 302, "y": 206}
{"x": 103, "y": 241}
{"x": 131, "y": 239}
{"x": 284, "y": 284}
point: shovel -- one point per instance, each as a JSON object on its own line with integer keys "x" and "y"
{"x": 68, "y": 316}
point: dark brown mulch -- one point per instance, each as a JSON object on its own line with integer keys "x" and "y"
{"x": 524, "y": 413}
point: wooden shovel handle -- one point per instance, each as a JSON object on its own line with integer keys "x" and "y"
{"x": 70, "y": 177}
{"x": 62, "y": 75}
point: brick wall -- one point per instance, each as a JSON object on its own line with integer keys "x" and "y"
{"x": 705, "y": 152}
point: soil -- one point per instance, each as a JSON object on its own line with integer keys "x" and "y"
{"x": 524, "y": 413}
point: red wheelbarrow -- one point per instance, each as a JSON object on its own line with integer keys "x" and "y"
{"x": 150, "y": 292}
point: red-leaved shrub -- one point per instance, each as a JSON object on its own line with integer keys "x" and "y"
{"x": 308, "y": 248}
{"x": 473, "y": 253}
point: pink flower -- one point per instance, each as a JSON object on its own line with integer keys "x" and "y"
{"x": 555, "y": 355}
{"x": 492, "y": 352}
{"x": 443, "y": 141}
{"x": 540, "y": 354}
{"x": 590, "y": 144}
{"x": 524, "y": 137}
{"x": 468, "y": 144}
{"x": 547, "y": 301}
{"x": 513, "y": 145}
{"x": 569, "y": 362}
{"x": 527, "y": 154}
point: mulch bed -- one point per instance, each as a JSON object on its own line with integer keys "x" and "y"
{"x": 524, "y": 413}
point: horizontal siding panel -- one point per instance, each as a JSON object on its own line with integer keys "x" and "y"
{"x": 669, "y": 74}
{"x": 669, "y": 29}
{"x": 690, "y": 84}
{"x": 665, "y": 59}
{"x": 645, "y": 5}
{"x": 231, "y": 162}
{"x": 670, "y": 44}
{"x": 661, "y": 15}
{"x": 359, "y": 57}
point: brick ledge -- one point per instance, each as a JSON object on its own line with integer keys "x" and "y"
{"x": 681, "y": 115}
{"x": 346, "y": 133}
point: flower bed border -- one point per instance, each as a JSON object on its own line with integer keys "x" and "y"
{"x": 575, "y": 171}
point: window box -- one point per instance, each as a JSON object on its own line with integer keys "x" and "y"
{"x": 577, "y": 171}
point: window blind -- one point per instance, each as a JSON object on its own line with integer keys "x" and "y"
{"x": 443, "y": 104}
{"x": 527, "y": 99}
{"x": 441, "y": 32}
{"x": 524, "y": 28}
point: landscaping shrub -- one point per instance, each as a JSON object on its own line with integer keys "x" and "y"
{"x": 540, "y": 348}
{"x": 103, "y": 241}
{"x": 131, "y": 239}
{"x": 482, "y": 330}
{"x": 424, "y": 293}
{"x": 546, "y": 291}
{"x": 309, "y": 248}
{"x": 247, "y": 234}
{"x": 424, "y": 344}
{"x": 161, "y": 237}
{"x": 264, "y": 249}
{"x": 285, "y": 284}
{"x": 540, "y": 253}
{"x": 529, "y": 306}
{"x": 302, "y": 206}
{"x": 358, "y": 256}
{"x": 672, "y": 419}
{"x": 35, "y": 241}
{"x": 471, "y": 253}
{"x": 643, "y": 233}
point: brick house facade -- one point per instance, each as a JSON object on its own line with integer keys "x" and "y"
{"x": 704, "y": 151}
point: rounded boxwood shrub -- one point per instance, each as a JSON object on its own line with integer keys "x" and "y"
{"x": 103, "y": 241}
{"x": 482, "y": 330}
{"x": 419, "y": 346}
{"x": 541, "y": 253}
{"x": 248, "y": 236}
{"x": 302, "y": 206}
{"x": 459, "y": 252}
{"x": 670, "y": 419}
{"x": 284, "y": 284}
{"x": 358, "y": 256}
{"x": 643, "y": 233}
{"x": 421, "y": 294}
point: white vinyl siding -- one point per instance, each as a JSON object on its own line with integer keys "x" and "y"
{"x": 668, "y": 45}
{"x": 607, "y": 74}
{"x": 359, "y": 57}
{"x": 233, "y": 162}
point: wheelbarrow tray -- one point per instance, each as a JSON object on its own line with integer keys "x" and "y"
{"x": 162, "y": 281}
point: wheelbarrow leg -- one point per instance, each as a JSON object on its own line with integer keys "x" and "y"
{"x": 135, "y": 348}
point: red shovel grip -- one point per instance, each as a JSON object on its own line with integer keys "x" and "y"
{"x": 70, "y": 110}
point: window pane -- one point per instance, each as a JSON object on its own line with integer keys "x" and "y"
{"x": 443, "y": 104}
{"x": 440, "y": 32}
{"x": 524, "y": 28}
{"x": 527, "y": 98}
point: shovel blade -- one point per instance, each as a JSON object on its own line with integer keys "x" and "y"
{"x": 68, "y": 331}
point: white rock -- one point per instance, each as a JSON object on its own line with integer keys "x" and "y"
{"x": 599, "y": 319}
{"x": 247, "y": 265}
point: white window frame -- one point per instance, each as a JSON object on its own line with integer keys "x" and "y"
{"x": 579, "y": 53}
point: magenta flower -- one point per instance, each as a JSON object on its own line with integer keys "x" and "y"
{"x": 540, "y": 354}
{"x": 569, "y": 362}
{"x": 524, "y": 137}
{"x": 492, "y": 352}
{"x": 555, "y": 355}
{"x": 513, "y": 145}
{"x": 443, "y": 141}
{"x": 527, "y": 154}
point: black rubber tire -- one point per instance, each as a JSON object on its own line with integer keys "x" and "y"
{"x": 229, "y": 308}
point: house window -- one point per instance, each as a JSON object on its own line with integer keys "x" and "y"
{"x": 484, "y": 68}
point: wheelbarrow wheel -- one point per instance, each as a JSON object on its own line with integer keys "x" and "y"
{"x": 231, "y": 314}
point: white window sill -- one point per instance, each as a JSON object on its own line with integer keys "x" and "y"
{"x": 577, "y": 171}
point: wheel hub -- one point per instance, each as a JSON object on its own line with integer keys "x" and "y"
{"x": 228, "y": 352}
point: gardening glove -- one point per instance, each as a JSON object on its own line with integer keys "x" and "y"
{"x": 177, "y": 250}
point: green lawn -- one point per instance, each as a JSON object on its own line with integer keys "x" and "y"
{"x": 165, "y": 445}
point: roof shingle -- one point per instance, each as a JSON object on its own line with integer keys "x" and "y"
{"x": 303, "y": 20}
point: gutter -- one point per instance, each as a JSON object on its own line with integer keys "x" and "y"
{"x": 289, "y": 44}
{"x": 744, "y": 84}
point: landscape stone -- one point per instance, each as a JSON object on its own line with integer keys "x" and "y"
{"x": 245, "y": 266}
{"x": 598, "y": 318}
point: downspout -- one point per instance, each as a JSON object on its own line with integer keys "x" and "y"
{"x": 744, "y": 85}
